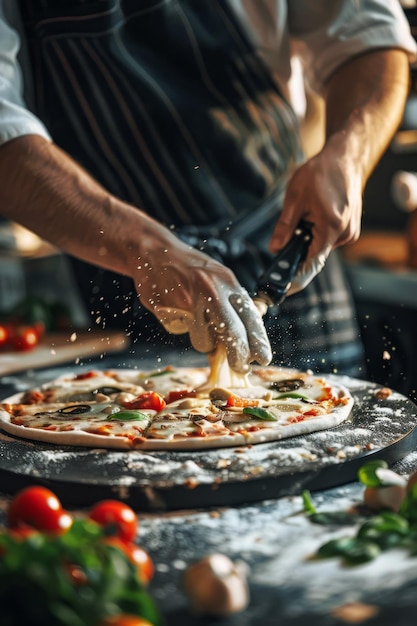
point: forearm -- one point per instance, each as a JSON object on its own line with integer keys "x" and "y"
{"x": 364, "y": 106}
{"x": 42, "y": 188}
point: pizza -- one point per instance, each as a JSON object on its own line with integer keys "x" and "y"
{"x": 176, "y": 407}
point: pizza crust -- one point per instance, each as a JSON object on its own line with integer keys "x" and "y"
{"x": 179, "y": 428}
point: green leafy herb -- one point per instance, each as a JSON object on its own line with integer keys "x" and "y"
{"x": 125, "y": 416}
{"x": 334, "y": 518}
{"x": 352, "y": 550}
{"x": 308, "y": 503}
{"x": 167, "y": 370}
{"x": 296, "y": 396}
{"x": 367, "y": 474}
{"x": 72, "y": 579}
{"x": 259, "y": 413}
{"x": 379, "y": 532}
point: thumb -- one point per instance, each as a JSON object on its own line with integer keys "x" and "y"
{"x": 308, "y": 270}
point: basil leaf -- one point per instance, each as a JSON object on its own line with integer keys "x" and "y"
{"x": 125, "y": 416}
{"x": 333, "y": 518}
{"x": 296, "y": 396}
{"x": 308, "y": 503}
{"x": 42, "y": 568}
{"x": 259, "y": 413}
{"x": 166, "y": 370}
{"x": 367, "y": 473}
{"x": 386, "y": 521}
{"x": 336, "y": 547}
{"x": 352, "y": 550}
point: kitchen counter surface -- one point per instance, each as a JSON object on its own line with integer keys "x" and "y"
{"x": 275, "y": 539}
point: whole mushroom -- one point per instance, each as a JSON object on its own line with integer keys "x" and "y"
{"x": 217, "y": 586}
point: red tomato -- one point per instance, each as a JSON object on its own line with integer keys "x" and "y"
{"x": 147, "y": 400}
{"x": 39, "y": 329}
{"x": 180, "y": 394}
{"x": 4, "y": 336}
{"x": 25, "y": 338}
{"x": 117, "y": 518}
{"x": 38, "y": 508}
{"x": 85, "y": 375}
{"x": 237, "y": 401}
{"x": 143, "y": 562}
{"x": 136, "y": 555}
{"x": 125, "y": 620}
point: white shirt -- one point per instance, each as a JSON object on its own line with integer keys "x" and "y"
{"x": 323, "y": 34}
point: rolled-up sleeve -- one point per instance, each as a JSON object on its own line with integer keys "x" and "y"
{"x": 327, "y": 33}
{"x": 15, "y": 119}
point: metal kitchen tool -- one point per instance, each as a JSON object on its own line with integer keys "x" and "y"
{"x": 275, "y": 282}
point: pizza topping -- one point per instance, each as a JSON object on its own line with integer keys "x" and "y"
{"x": 120, "y": 412}
{"x": 233, "y": 396}
{"x": 125, "y": 416}
{"x": 238, "y": 401}
{"x": 259, "y": 413}
{"x": 85, "y": 375}
{"x": 180, "y": 394}
{"x": 295, "y": 396}
{"x": 166, "y": 370}
{"x": 147, "y": 400}
{"x": 75, "y": 409}
{"x": 288, "y": 384}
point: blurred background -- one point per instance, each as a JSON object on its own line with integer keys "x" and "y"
{"x": 381, "y": 266}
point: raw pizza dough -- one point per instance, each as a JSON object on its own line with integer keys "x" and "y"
{"x": 176, "y": 408}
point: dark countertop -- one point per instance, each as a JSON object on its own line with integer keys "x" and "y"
{"x": 275, "y": 539}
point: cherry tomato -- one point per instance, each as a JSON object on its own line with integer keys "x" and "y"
{"x": 39, "y": 328}
{"x": 117, "y": 518}
{"x": 38, "y": 508}
{"x": 77, "y": 576}
{"x": 180, "y": 394}
{"x": 237, "y": 401}
{"x": 143, "y": 562}
{"x": 125, "y": 620}
{"x": 136, "y": 555}
{"x": 85, "y": 375}
{"x": 25, "y": 338}
{"x": 147, "y": 400}
{"x": 4, "y": 336}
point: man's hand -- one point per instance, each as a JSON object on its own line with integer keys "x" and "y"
{"x": 364, "y": 104}
{"x": 326, "y": 192}
{"x": 190, "y": 292}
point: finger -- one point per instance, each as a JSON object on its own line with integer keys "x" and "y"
{"x": 259, "y": 345}
{"x": 286, "y": 223}
{"x": 175, "y": 321}
{"x": 216, "y": 322}
{"x": 308, "y": 270}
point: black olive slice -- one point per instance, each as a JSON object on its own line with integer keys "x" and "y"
{"x": 77, "y": 409}
{"x": 290, "y": 384}
{"x": 107, "y": 391}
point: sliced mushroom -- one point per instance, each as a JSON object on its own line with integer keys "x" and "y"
{"x": 220, "y": 394}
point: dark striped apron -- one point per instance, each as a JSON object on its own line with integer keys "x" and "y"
{"x": 167, "y": 104}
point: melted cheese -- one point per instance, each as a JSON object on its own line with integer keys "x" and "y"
{"x": 221, "y": 374}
